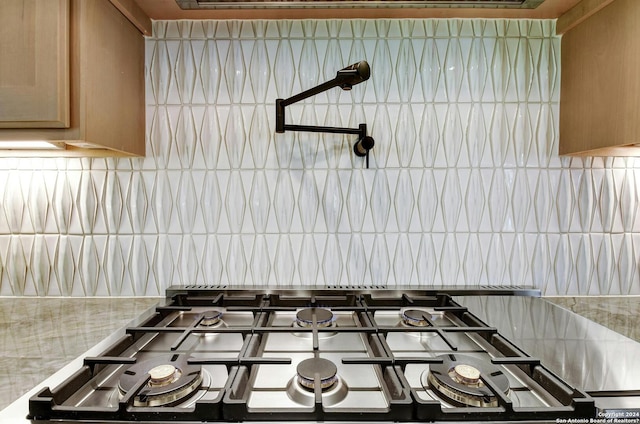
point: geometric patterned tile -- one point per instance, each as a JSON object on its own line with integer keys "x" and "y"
{"x": 465, "y": 185}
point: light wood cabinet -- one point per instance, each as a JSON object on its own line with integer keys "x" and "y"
{"x": 600, "y": 87}
{"x": 34, "y": 64}
{"x": 105, "y": 58}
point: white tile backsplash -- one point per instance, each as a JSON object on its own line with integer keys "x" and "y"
{"x": 465, "y": 185}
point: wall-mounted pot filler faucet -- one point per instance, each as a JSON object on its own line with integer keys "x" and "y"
{"x": 345, "y": 79}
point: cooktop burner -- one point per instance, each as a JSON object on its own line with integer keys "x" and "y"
{"x": 161, "y": 381}
{"x": 459, "y": 379}
{"x": 324, "y": 317}
{"x": 211, "y": 318}
{"x": 302, "y": 388}
{"x": 324, "y": 369}
{"x": 414, "y": 318}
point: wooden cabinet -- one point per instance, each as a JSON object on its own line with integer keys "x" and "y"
{"x": 104, "y": 55}
{"x": 34, "y": 64}
{"x": 600, "y": 88}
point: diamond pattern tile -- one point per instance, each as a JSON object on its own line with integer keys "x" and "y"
{"x": 332, "y": 261}
{"x": 260, "y": 261}
{"x": 465, "y": 185}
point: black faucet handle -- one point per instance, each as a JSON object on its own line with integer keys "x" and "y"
{"x": 362, "y": 146}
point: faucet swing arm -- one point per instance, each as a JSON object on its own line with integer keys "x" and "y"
{"x": 345, "y": 79}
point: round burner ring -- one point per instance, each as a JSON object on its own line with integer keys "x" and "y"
{"x": 308, "y": 368}
{"x": 458, "y": 379}
{"x": 211, "y": 318}
{"x": 305, "y": 396}
{"x": 415, "y": 318}
{"x": 169, "y": 379}
{"x": 324, "y": 317}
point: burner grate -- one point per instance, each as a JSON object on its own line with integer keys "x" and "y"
{"x": 257, "y": 364}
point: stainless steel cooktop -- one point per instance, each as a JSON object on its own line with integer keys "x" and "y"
{"x": 214, "y": 354}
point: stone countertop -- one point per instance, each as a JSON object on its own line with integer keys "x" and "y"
{"x": 619, "y": 313}
{"x": 40, "y": 335}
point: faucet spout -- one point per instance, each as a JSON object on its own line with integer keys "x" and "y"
{"x": 353, "y": 74}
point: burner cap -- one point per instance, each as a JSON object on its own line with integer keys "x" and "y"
{"x": 324, "y": 317}
{"x": 458, "y": 379}
{"x": 415, "y": 318}
{"x": 308, "y": 369}
{"x": 170, "y": 379}
{"x": 211, "y": 318}
{"x": 465, "y": 374}
{"x": 162, "y": 375}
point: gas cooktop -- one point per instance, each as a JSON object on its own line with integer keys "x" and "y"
{"x": 208, "y": 354}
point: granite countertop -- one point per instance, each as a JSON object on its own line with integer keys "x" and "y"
{"x": 40, "y": 335}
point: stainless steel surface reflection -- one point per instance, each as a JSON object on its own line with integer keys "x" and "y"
{"x": 584, "y": 354}
{"x": 580, "y": 351}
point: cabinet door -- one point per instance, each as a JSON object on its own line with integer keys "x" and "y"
{"x": 34, "y": 63}
{"x": 111, "y": 77}
{"x": 600, "y": 85}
